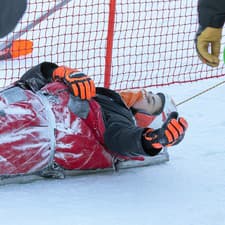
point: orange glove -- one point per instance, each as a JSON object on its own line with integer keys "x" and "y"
{"x": 80, "y": 84}
{"x": 171, "y": 133}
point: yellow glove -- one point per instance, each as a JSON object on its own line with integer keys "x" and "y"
{"x": 208, "y": 44}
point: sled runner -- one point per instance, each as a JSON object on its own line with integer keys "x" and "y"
{"x": 58, "y": 173}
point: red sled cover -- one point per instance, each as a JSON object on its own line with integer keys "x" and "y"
{"x": 37, "y": 129}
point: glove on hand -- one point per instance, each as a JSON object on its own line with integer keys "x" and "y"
{"x": 80, "y": 84}
{"x": 208, "y": 43}
{"x": 171, "y": 133}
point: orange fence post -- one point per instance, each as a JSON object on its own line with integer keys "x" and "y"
{"x": 109, "y": 47}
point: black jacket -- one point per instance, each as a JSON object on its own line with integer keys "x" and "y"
{"x": 121, "y": 133}
{"x": 211, "y": 13}
{"x": 10, "y": 13}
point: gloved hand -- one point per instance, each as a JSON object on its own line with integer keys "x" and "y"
{"x": 208, "y": 43}
{"x": 80, "y": 84}
{"x": 171, "y": 133}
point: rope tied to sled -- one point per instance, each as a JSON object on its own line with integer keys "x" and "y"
{"x": 200, "y": 93}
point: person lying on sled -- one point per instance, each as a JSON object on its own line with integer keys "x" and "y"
{"x": 54, "y": 115}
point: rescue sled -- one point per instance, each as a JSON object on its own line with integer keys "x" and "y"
{"x": 54, "y": 172}
{"x": 42, "y": 137}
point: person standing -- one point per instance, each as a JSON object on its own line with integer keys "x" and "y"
{"x": 211, "y": 18}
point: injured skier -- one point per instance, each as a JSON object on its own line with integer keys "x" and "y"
{"x": 55, "y": 117}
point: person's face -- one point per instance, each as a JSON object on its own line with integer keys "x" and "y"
{"x": 150, "y": 104}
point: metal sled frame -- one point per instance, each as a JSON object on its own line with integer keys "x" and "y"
{"x": 27, "y": 178}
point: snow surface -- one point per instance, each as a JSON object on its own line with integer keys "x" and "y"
{"x": 187, "y": 190}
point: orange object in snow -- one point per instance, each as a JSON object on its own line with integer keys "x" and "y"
{"x": 20, "y": 48}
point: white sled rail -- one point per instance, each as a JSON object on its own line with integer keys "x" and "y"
{"x": 27, "y": 178}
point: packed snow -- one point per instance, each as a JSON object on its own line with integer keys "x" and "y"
{"x": 187, "y": 190}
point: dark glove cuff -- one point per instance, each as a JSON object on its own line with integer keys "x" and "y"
{"x": 199, "y": 31}
{"x": 149, "y": 150}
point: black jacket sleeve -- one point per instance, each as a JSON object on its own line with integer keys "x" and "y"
{"x": 121, "y": 133}
{"x": 38, "y": 76}
{"x": 211, "y": 13}
{"x": 10, "y": 13}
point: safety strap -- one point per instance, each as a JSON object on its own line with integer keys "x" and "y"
{"x": 52, "y": 124}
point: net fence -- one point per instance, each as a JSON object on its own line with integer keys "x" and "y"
{"x": 123, "y": 43}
